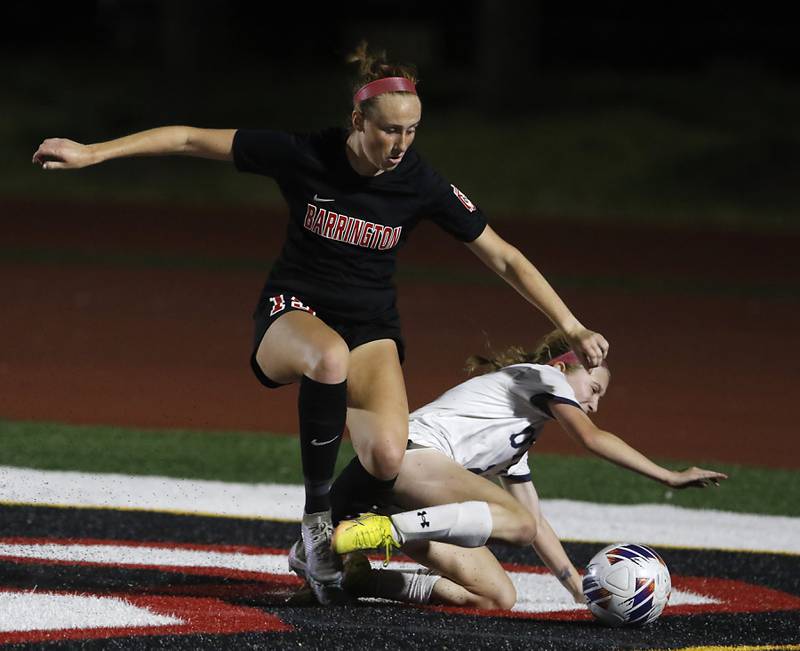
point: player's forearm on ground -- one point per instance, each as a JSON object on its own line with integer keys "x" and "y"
{"x": 612, "y": 448}
{"x": 551, "y": 551}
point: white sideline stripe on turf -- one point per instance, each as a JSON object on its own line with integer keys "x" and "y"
{"x": 32, "y": 611}
{"x": 151, "y": 493}
{"x": 536, "y": 593}
{"x": 673, "y": 526}
{"x": 161, "y": 556}
{"x": 646, "y": 523}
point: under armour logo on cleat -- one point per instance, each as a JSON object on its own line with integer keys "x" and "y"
{"x": 423, "y": 520}
{"x": 318, "y": 443}
{"x": 318, "y": 198}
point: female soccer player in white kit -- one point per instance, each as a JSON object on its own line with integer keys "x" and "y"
{"x": 476, "y": 431}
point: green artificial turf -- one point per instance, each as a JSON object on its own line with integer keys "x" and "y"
{"x": 261, "y": 457}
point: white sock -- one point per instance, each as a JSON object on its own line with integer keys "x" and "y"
{"x": 467, "y": 524}
{"x": 413, "y": 586}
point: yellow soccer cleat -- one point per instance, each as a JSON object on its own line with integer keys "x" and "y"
{"x": 368, "y": 531}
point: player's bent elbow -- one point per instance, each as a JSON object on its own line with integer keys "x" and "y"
{"x": 589, "y": 438}
{"x": 524, "y": 533}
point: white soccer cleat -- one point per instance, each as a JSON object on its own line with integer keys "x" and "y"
{"x": 323, "y": 568}
{"x": 297, "y": 558}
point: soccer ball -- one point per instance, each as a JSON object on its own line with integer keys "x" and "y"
{"x": 626, "y": 585}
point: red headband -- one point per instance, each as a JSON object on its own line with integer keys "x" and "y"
{"x": 566, "y": 358}
{"x": 384, "y": 85}
{"x": 570, "y": 358}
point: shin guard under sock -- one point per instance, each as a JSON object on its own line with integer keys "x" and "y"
{"x": 467, "y": 524}
{"x": 322, "y": 409}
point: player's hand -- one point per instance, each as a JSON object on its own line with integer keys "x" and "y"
{"x": 63, "y": 154}
{"x": 696, "y": 478}
{"x": 590, "y": 347}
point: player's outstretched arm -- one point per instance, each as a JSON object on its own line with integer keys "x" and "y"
{"x": 63, "y": 154}
{"x": 612, "y": 448}
{"x": 547, "y": 544}
{"x": 511, "y": 265}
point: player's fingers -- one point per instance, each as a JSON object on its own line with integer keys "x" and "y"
{"x": 39, "y": 155}
{"x": 598, "y": 348}
{"x": 52, "y": 148}
{"x": 595, "y": 356}
{"x": 53, "y": 165}
{"x": 604, "y": 346}
{"x": 588, "y": 358}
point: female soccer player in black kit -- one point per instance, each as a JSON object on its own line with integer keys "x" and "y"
{"x": 327, "y": 316}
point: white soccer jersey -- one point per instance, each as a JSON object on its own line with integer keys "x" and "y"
{"x": 488, "y": 423}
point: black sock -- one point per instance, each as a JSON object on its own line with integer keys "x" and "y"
{"x": 356, "y": 491}
{"x": 323, "y": 411}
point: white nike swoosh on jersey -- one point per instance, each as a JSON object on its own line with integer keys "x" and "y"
{"x": 316, "y": 442}
{"x": 318, "y": 198}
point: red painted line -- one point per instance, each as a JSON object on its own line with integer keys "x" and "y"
{"x": 288, "y": 578}
{"x": 733, "y": 596}
{"x": 163, "y": 544}
{"x": 200, "y": 615}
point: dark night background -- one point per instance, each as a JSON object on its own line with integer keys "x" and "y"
{"x": 686, "y": 111}
{"x": 544, "y": 35}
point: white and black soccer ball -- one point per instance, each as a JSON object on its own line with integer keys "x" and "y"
{"x": 627, "y": 585}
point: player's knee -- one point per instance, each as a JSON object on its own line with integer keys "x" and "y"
{"x": 383, "y": 460}
{"x": 505, "y": 598}
{"x": 502, "y": 597}
{"x": 330, "y": 362}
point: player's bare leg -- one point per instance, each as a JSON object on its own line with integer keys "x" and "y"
{"x": 430, "y": 478}
{"x": 377, "y": 414}
{"x": 300, "y": 347}
{"x": 377, "y": 418}
{"x": 299, "y": 344}
{"x": 454, "y": 576}
{"x": 471, "y": 577}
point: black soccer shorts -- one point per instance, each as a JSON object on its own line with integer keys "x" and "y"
{"x": 354, "y": 332}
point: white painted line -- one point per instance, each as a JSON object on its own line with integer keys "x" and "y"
{"x": 147, "y": 555}
{"x": 541, "y": 593}
{"x": 536, "y": 593}
{"x": 659, "y": 525}
{"x": 34, "y": 611}
{"x": 194, "y": 496}
{"x": 673, "y": 526}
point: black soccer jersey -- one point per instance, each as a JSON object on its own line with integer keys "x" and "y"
{"x": 345, "y": 229}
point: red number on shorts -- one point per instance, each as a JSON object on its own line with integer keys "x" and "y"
{"x": 298, "y": 305}
{"x": 278, "y": 304}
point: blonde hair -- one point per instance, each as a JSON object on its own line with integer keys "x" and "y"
{"x": 372, "y": 66}
{"x": 549, "y": 347}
